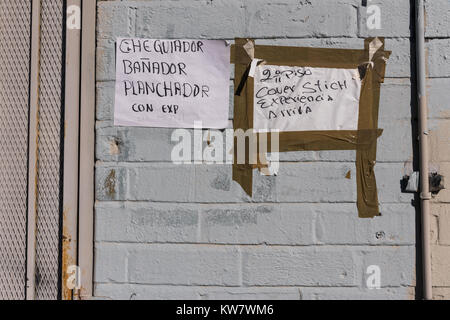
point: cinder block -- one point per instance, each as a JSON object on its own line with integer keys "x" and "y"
{"x": 134, "y": 144}
{"x": 339, "y": 224}
{"x": 146, "y": 222}
{"x": 437, "y": 23}
{"x": 218, "y": 19}
{"x": 439, "y": 140}
{"x": 258, "y": 224}
{"x": 438, "y": 56}
{"x": 394, "y": 15}
{"x": 269, "y": 18}
{"x": 298, "y": 266}
{"x": 395, "y": 100}
{"x": 250, "y": 19}
{"x": 105, "y": 100}
{"x": 110, "y": 262}
{"x": 396, "y": 143}
{"x": 327, "y": 182}
{"x": 388, "y": 177}
{"x": 115, "y": 19}
{"x": 315, "y": 182}
{"x": 111, "y": 182}
{"x": 106, "y": 60}
{"x": 162, "y": 182}
{"x": 440, "y": 258}
{"x": 438, "y": 104}
{"x": 399, "y": 63}
{"x": 441, "y": 212}
{"x": 397, "y": 264}
{"x": 442, "y": 293}
{"x": 214, "y": 184}
{"x": 184, "y": 265}
{"x": 444, "y": 195}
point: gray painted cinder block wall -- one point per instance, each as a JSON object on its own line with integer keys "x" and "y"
{"x": 189, "y": 232}
{"x": 438, "y": 34}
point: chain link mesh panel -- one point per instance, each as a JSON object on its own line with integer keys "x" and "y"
{"x": 49, "y": 151}
{"x": 15, "y": 16}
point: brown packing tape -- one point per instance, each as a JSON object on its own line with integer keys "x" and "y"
{"x": 242, "y": 174}
{"x": 367, "y": 195}
{"x": 364, "y": 140}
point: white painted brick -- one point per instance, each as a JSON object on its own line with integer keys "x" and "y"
{"x": 105, "y": 100}
{"x": 146, "y": 222}
{"x": 438, "y": 57}
{"x": 129, "y": 144}
{"x": 438, "y": 102}
{"x": 110, "y": 262}
{"x": 257, "y": 224}
{"x": 397, "y": 264}
{"x": 115, "y": 19}
{"x": 253, "y": 18}
{"x": 301, "y": 266}
{"x": 162, "y": 182}
{"x": 184, "y": 265}
{"x": 437, "y": 22}
{"x": 111, "y": 182}
{"x": 339, "y": 224}
{"x": 395, "y": 19}
{"x": 440, "y": 258}
{"x": 106, "y": 60}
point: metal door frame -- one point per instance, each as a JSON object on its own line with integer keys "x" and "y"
{"x": 87, "y": 148}
{"x": 79, "y": 142}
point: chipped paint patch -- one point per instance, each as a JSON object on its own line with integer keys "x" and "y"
{"x": 110, "y": 183}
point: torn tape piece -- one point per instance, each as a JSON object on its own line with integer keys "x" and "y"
{"x": 249, "y": 47}
{"x": 374, "y": 46}
{"x": 253, "y": 67}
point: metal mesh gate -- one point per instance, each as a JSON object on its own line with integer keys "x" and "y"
{"x": 15, "y": 55}
{"x": 49, "y": 151}
{"x": 15, "y": 16}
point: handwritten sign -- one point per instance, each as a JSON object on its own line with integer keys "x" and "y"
{"x": 306, "y": 99}
{"x": 172, "y": 83}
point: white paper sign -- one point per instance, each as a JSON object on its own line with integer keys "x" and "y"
{"x": 172, "y": 83}
{"x": 306, "y": 99}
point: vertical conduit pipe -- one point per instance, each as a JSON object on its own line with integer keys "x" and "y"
{"x": 425, "y": 195}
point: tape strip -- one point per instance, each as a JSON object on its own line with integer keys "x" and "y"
{"x": 364, "y": 140}
{"x": 253, "y": 66}
{"x": 242, "y": 173}
{"x": 374, "y": 46}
